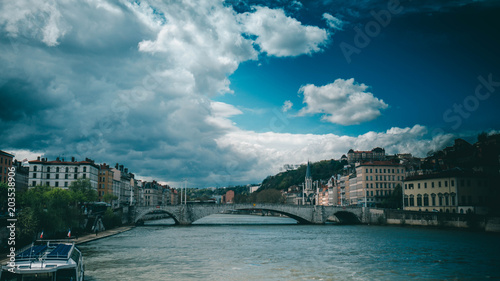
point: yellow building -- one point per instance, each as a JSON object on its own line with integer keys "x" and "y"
{"x": 375, "y": 182}
{"x": 450, "y": 192}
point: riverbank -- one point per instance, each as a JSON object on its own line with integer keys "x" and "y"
{"x": 90, "y": 237}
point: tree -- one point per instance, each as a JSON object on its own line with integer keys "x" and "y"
{"x": 395, "y": 200}
{"x": 108, "y": 197}
{"x": 82, "y": 191}
{"x": 270, "y": 196}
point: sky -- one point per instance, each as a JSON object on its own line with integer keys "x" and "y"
{"x": 222, "y": 93}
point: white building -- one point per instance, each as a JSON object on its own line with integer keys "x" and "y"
{"x": 60, "y": 173}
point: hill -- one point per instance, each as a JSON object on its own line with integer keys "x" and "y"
{"x": 321, "y": 170}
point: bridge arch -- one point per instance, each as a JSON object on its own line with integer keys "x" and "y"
{"x": 346, "y": 217}
{"x": 141, "y": 214}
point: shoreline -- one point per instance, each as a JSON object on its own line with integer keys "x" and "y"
{"x": 89, "y": 238}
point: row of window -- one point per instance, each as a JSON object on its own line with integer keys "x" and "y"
{"x": 382, "y": 185}
{"x": 384, "y": 178}
{"x": 8, "y": 161}
{"x": 57, "y": 169}
{"x": 445, "y": 183}
{"x": 384, "y": 171}
{"x": 56, "y": 184}
{"x": 66, "y": 176}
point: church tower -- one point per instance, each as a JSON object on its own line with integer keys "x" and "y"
{"x": 308, "y": 180}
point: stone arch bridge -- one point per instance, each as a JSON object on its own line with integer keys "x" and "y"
{"x": 303, "y": 214}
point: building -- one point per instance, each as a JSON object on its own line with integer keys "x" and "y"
{"x": 60, "y": 173}
{"x": 375, "y": 182}
{"x": 123, "y": 185}
{"x": 22, "y": 176}
{"x": 5, "y": 163}
{"x": 376, "y": 154}
{"x": 452, "y": 191}
{"x": 229, "y": 197}
{"x": 105, "y": 181}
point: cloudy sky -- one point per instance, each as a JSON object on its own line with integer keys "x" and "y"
{"x": 227, "y": 92}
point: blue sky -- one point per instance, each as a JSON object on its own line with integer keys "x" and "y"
{"x": 227, "y": 92}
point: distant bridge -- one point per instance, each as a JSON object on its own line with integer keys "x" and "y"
{"x": 303, "y": 214}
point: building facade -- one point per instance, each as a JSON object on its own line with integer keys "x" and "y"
{"x": 5, "y": 163}
{"x": 105, "y": 181}
{"x": 449, "y": 191}
{"x": 376, "y": 154}
{"x": 60, "y": 173}
{"x": 375, "y": 182}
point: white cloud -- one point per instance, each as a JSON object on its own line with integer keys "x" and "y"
{"x": 342, "y": 102}
{"x": 333, "y": 22}
{"x": 273, "y": 150}
{"x": 286, "y": 106}
{"x": 280, "y": 35}
{"x": 33, "y": 19}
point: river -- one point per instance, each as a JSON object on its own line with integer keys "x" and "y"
{"x": 243, "y": 247}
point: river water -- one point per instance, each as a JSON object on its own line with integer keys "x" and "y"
{"x": 241, "y": 247}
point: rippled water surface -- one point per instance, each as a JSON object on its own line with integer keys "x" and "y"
{"x": 219, "y": 249}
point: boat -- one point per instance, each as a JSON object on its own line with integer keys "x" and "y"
{"x": 46, "y": 260}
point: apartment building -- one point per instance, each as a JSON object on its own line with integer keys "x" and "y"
{"x": 375, "y": 182}
{"x": 451, "y": 191}
{"x": 60, "y": 173}
{"x": 5, "y": 163}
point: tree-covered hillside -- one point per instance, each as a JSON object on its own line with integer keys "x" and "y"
{"x": 321, "y": 170}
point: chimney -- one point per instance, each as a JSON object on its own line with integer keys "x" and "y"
{"x": 121, "y": 168}
{"x": 126, "y": 170}
{"x": 57, "y": 159}
{"x": 38, "y": 158}
{"x": 116, "y": 166}
{"x": 72, "y": 159}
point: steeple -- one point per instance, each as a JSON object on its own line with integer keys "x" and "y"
{"x": 308, "y": 179}
{"x": 308, "y": 171}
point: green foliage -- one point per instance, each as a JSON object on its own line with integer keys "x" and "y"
{"x": 82, "y": 191}
{"x": 52, "y": 209}
{"x": 270, "y": 196}
{"x": 110, "y": 219}
{"x": 108, "y": 197}
{"x": 321, "y": 170}
{"x": 395, "y": 200}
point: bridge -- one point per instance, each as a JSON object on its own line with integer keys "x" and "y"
{"x": 303, "y": 214}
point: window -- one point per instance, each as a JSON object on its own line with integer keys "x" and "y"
{"x": 440, "y": 200}
{"x": 33, "y": 183}
{"x": 433, "y": 199}
{"x": 405, "y": 200}
{"x": 48, "y": 169}
{"x": 84, "y": 169}
{"x": 426, "y": 200}
{"x": 66, "y": 176}
{"x": 57, "y": 176}
{"x": 425, "y": 185}
{"x": 439, "y": 183}
{"x": 35, "y": 168}
{"x": 65, "y": 184}
{"x": 412, "y": 200}
{"x": 34, "y": 175}
{"x": 57, "y": 184}
{"x": 452, "y": 182}
{"x": 367, "y": 178}
{"x": 371, "y": 185}
{"x": 445, "y": 183}
{"x": 84, "y": 176}
{"x": 48, "y": 176}
{"x": 419, "y": 200}
{"x": 76, "y": 169}
{"x": 75, "y": 177}
{"x": 57, "y": 170}
{"x": 432, "y": 184}
{"x": 418, "y": 185}
{"x": 367, "y": 170}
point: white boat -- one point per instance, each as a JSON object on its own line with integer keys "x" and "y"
{"x": 46, "y": 260}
